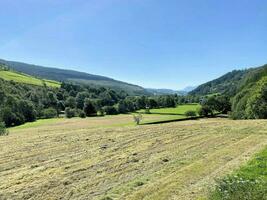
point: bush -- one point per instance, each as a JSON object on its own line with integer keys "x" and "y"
{"x": 49, "y": 113}
{"x": 89, "y": 108}
{"x": 70, "y": 112}
{"x": 205, "y": 111}
{"x": 3, "y": 130}
{"x": 110, "y": 110}
{"x": 12, "y": 119}
{"x": 239, "y": 188}
{"x": 81, "y": 114}
{"x": 137, "y": 118}
{"x": 190, "y": 113}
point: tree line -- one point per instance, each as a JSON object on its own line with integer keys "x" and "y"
{"x": 20, "y": 103}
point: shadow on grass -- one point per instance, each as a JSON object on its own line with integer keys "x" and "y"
{"x": 155, "y": 113}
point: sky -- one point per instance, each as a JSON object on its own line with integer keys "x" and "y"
{"x": 152, "y": 43}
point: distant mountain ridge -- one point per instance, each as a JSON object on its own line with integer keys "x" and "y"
{"x": 74, "y": 76}
{"x": 164, "y": 91}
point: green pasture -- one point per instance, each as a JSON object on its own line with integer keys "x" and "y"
{"x": 27, "y": 79}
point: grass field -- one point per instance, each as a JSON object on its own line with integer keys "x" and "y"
{"x": 179, "y": 110}
{"x": 108, "y": 156}
{"x": 27, "y": 79}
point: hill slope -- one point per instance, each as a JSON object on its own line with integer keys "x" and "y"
{"x": 9, "y": 75}
{"x": 73, "y": 76}
{"x": 227, "y": 83}
{"x": 247, "y": 89}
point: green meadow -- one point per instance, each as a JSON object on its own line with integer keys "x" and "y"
{"x": 27, "y": 79}
{"x": 179, "y": 110}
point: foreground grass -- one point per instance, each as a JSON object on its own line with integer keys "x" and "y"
{"x": 249, "y": 182}
{"x": 96, "y": 158}
{"x": 27, "y": 79}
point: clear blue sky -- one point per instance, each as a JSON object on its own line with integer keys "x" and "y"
{"x": 153, "y": 43}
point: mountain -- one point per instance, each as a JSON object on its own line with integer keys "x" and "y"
{"x": 184, "y": 91}
{"x": 188, "y": 89}
{"x": 73, "y": 76}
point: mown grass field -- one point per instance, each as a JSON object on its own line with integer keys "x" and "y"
{"x": 27, "y": 79}
{"x": 102, "y": 157}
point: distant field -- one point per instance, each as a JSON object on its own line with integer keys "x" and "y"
{"x": 108, "y": 156}
{"x": 24, "y": 78}
{"x": 179, "y": 110}
{"x": 92, "y": 122}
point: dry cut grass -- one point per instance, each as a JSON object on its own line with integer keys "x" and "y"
{"x": 79, "y": 160}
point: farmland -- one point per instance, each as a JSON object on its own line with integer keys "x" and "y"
{"x": 179, "y": 110}
{"x": 27, "y": 79}
{"x": 101, "y": 157}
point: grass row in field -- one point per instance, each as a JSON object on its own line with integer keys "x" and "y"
{"x": 249, "y": 182}
{"x": 27, "y": 79}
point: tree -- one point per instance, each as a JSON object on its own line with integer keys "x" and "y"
{"x": 81, "y": 96}
{"x": 70, "y": 112}
{"x": 26, "y": 108}
{"x": 110, "y": 110}
{"x": 70, "y": 102}
{"x": 205, "y": 111}
{"x": 190, "y": 113}
{"x": 3, "y": 130}
{"x": 89, "y": 108}
{"x": 49, "y": 113}
{"x": 52, "y": 99}
{"x": 122, "y": 107}
{"x": 137, "y": 118}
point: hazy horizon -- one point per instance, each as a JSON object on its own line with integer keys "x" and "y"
{"x": 153, "y": 44}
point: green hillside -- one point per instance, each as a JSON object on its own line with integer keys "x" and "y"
{"x": 74, "y": 76}
{"x": 246, "y": 88}
{"x": 227, "y": 83}
{"x": 232, "y": 82}
{"x": 250, "y": 102}
{"x": 27, "y": 79}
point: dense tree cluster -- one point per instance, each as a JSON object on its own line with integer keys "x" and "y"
{"x": 215, "y": 104}
{"x": 246, "y": 90}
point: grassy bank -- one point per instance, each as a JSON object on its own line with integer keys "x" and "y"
{"x": 101, "y": 157}
{"x": 27, "y": 79}
{"x": 249, "y": 182}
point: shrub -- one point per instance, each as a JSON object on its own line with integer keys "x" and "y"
{"x": 49, "y": 113}
{"x": 3, "y": 130}
{"x": 110, "y": 110}
{"x": 89, "y": 108}
{"x": 81, "y": 114}
{"x": 70, "y": 112}
{"x": 205, "y": 111}
{"x": 234, "y": 187}
{"x": 190, "y": 113}
{"x": 137, "y": 118}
